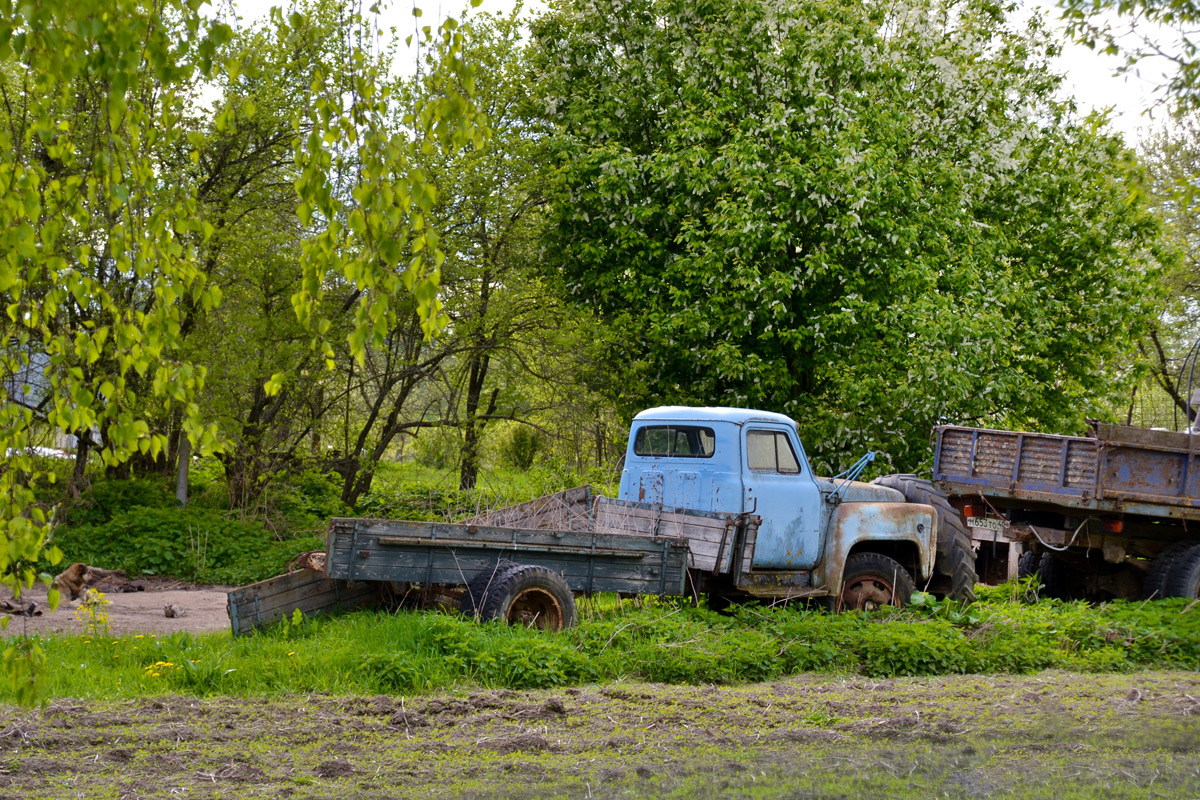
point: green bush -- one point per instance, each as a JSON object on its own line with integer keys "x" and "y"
{"x": 108, "y": 498}
{"x": 192, "y": 544}
{"x": 308, "y": 496}
{"x": 522, "y": 446}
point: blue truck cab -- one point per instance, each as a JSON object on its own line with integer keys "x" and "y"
{"x": 813, "y": 533}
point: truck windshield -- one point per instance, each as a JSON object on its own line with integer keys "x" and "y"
{"x": 686, "y": 441}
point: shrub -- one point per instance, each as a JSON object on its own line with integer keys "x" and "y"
{"x": 522, "y": 447}
{"x": 193, "y": 544}
{"x": 108, "y": 498}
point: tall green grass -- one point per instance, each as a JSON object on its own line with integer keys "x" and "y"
{"x": 661, "y": 641}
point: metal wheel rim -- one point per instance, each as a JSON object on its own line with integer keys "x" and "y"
{"x": 536, "y": 608}
{"x": 868, "y": 593}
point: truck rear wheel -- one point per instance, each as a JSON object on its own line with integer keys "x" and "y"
{"x": 872, "y": 580}
{"x": 1154, "y": 587}
{"x": 955, "y": 556}
{"x": 532, "y": 596}
{"x": 1055, "y": 576}
{"x": 1183, "y": 579}
{"x": 1027, "y": 564}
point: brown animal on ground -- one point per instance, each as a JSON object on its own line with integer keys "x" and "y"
{"x": 76, "y": 579}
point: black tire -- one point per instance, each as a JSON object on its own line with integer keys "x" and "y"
{"x": 1183, "y": 579}
{"x": 532, "y": 596}
{"x": 955, "y": 556}
{"x": 477, "y": 587}
{"x": 1055, "y": 576}
{"x": 1027, "y": 564}
{"x": 873, "y": 580}
{"x": 1154, "y": 585}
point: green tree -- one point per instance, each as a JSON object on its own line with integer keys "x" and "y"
{"x": 101, "y": 238}
{"x": 97, "y": 250}
{"x": 1169, "y": 346}
{"x": 1161, "y": 31}
{"x": 871, "y": 216}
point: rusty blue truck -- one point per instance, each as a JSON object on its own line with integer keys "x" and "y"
{"x": 713, "y": 502}
{"x": 1114, "y": 514}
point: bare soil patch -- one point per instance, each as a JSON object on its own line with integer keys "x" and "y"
{"x": 130, "y": 611}
{"x": 1103, "y": 736}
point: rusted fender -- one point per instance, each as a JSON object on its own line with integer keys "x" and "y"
{"x": 853, "y": 523}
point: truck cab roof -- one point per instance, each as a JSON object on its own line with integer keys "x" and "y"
{"x": 738, "y": 416}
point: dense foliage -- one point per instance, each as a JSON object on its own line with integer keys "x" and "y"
{"x": 869, "y": 216}
{"x": 411, "y": 653}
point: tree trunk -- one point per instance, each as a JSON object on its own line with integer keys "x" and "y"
{"x": 79, "y": 473}
{"x": 183, "y": 470}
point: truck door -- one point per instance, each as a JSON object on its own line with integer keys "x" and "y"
{"x": 780, "y": 488}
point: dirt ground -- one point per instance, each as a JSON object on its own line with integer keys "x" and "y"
{"x": 130, "y": 612}
{"x": 1052, "y": 735}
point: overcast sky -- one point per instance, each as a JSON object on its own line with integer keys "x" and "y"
{"x": 1089, "y": 75}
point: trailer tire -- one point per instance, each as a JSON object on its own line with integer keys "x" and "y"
{"x": 1027, "y": 564}
{"x": 1183, "y": 579}
{"x": 955, "y": 556}
{"x": 1154, "y": 586}
{"x": 1055, "y": 576}
{"x": 873, "y": 580}
{"x": 532, "y": 596}
{"x": 478, "y": 586}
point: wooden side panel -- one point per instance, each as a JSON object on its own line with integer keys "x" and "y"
{"x": 995, "y": 456}
{"x": 419, "y": 552}
{"x": 955, "y": 452}
{"x": 710, "y": 537}
{"x": 260, "y": 604}
{"x": 569, "y": 510}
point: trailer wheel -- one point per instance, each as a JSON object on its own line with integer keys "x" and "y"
{"x": 477, "y": 587}
{"x": 955, "y": 556}
{"x": 1055, "y": 576}
{"x": 1183, "y": 580}
{"x": 1154, "y": 587}
{"x": 531, "y": 596}
{"x": 1027, "y": 564}
{"x": 872, "y": 580}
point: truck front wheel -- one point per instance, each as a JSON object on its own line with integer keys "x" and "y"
{"x": 531, "y": 596}
{"x": 872, "y": 580}
{"x": 955, "y": 556}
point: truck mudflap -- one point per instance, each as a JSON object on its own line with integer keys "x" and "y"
{"x": 853, "y": 524}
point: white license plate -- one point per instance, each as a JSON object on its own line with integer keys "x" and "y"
{"x": 987, "y": 523}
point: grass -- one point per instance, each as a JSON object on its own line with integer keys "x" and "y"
{"x": 412, "y": 653}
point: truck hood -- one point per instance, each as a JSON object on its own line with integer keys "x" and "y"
{"x": 858, "y": 491}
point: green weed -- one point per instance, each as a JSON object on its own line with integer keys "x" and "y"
{"x": 664, "y": 642}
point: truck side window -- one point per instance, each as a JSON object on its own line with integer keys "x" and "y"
{"x": 770, "y": 451}
{"x": 685, "y": 441}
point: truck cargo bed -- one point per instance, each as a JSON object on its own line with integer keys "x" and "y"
{"x": 1121, "y": 470}
{"x": 448, "y": 553}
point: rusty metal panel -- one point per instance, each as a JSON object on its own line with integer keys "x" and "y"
{"x": 780, "y": 584}
{"x": 861, "y": 523}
